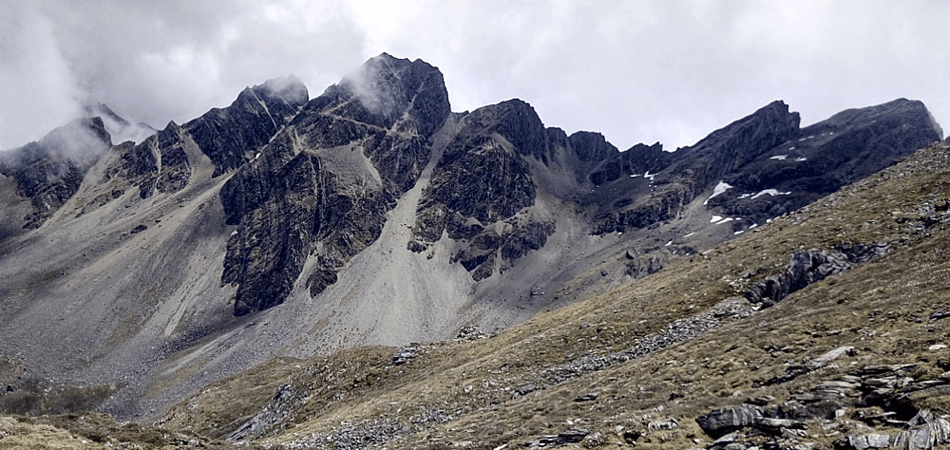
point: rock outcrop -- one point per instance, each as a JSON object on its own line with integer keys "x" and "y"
{"x": 871, "y": 397}
{"x": 50, "y": 171}
{"x": 323, "y": 186}
{"x": 231, "y": 136}
{"x": 821, "y": 158}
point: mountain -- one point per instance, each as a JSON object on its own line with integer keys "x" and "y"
{"x": 287, "y": 227}
{"x": 824, "y": 329}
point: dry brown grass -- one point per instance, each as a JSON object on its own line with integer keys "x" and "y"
{"x": 882, "y": 308}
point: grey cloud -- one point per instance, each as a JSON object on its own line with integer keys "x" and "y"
{"x": 646, "y": 71}
{"x": 160, "y": 61}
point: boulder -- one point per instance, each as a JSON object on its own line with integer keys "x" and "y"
{"x": 723, "y": 421}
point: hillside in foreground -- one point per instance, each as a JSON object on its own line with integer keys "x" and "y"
{"x": 861, "y": 352}
{"x": 845, "y": 339}
{"x": 844, "y": 345}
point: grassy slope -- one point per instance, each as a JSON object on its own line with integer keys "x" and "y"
{"x": 882, "y": 308}
{"x": 494, "y": 391}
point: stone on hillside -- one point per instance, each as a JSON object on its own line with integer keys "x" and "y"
{"x": 937, "y": 315}
{"x": 720, "y": 422}
{"x": 587, "y": 397}
{"x": 667, "y": 424}
{"x": 631, "y": 436}
{"x": 933, "y": 434}
{"x": 572, "y": 436}
{"x": 404, "y": 355}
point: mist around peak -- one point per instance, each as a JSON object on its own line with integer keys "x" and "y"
{"x": 120, "y": 129}
{"x": 372, "y": 85}
{"x": 81, "y": 141}
{"x": 289, "y": 89}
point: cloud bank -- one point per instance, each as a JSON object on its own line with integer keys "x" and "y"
{"x": 645, "y": 71}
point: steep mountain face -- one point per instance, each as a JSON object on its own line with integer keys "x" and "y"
{"x": 820, "y": 159}
{"x": 325, "y": 184}
{"x": 49, "y": 172}
{"x": 370, "y": 214}
{"x": 230, "y": 135}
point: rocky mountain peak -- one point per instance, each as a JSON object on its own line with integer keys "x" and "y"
{"x": 49, "y": 171}
{"x": 231, "y": 136}
{"x": 118, "y": 127}
{"x": 371, "y": 214}
{"x": 742, "y": 140}
{"x": 385, "y": 88}
{"x": 591, "y": 146}
{"x": 330, "y": 178}
{"x": 288, "y": 89}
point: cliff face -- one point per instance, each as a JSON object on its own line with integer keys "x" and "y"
{"x": 820, "y": 159}
{"x": 371, "y": 214}
{"x": 49, "y": 172}
{"x": 323, "y": 186}
{"x": 230, "y": 136}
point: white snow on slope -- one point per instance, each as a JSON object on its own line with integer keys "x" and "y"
{"x": 719, "y": 189}
{"x": 772, "y": 192}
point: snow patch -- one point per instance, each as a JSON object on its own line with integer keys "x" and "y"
{"x": 800, "y": 159}
{"x": 715, "y": 219}
{"x": 726, "y": 220}
{"x": 690, "y": 234}
{"x": 739, "y": 232}
{"x": 779, "y": 157}
{"x": 771, "y": 192}
{"x": 719, "y": 189}
{"x": 668, "y": 243}
{"x": 649, "y": 175}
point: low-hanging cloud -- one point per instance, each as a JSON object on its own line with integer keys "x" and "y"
{"x": 153, "y": 62}
{"x": 646, "y": 71}
{"x": 37, "y": 89}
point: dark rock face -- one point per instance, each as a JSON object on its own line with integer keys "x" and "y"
{"x": 639, "y": 159}
{"x": 308, "y": 191}
{"x": 770, "y": 165}
{"x": 158, "y": 164}
{"x": 694, "y": 169}
{"x": 822, "y": 158}
{"x": 810, "y": 267}
{"x": 49, "y": 171}
{"x": 483, "y": 178}
{"x": 231, "y": 136}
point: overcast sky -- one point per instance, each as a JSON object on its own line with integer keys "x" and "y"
{"x": 636, "y": 71}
